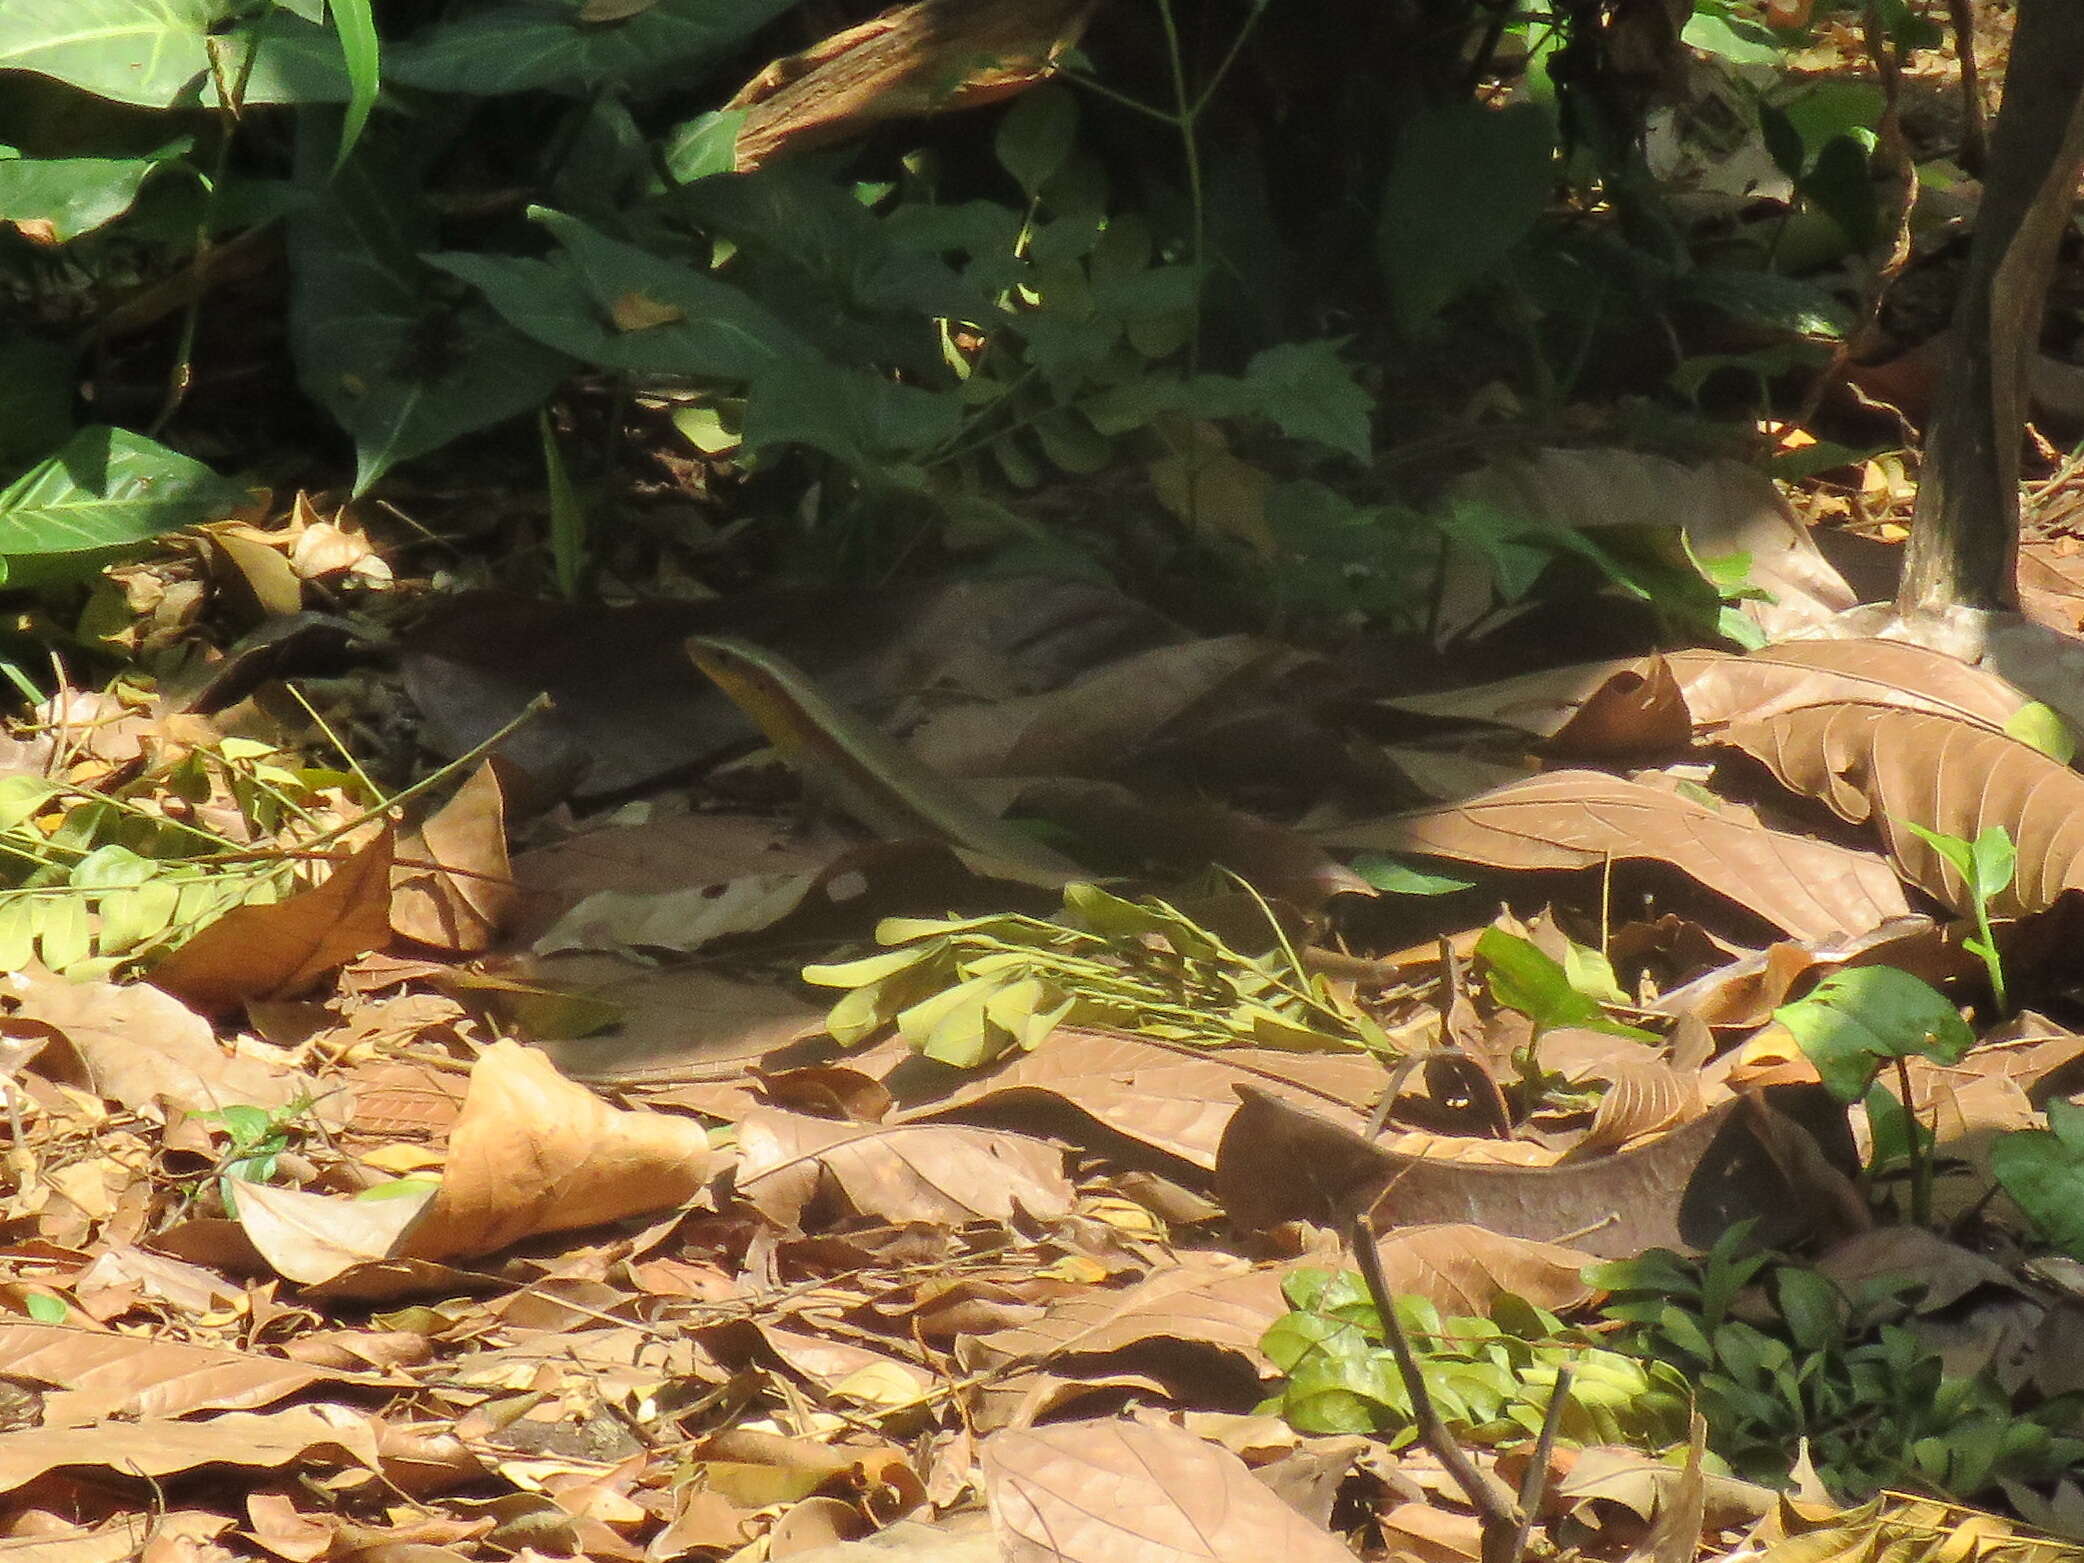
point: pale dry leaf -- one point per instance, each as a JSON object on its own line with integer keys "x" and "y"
{"x": 1209, "y": 1302}
{"x": 1585, "y": 819}
{"x": 1134, "y": 1492}
{"x": 1871, "y": 763}
{"x": 142, "y": 1047}
{"x": 1720, "y": 689}
{"x": 462, "y": 902}
{"x": 141, "y": 1378}
{"x": 277, "y": 951}
{"x": 535, "y": 1152}
{"x": 900, "y": 1172}
{"x": 315, "y": 1238}
{"x": 266, "y": 1440}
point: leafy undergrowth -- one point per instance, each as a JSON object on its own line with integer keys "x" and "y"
{"x": 694, "y": 1184}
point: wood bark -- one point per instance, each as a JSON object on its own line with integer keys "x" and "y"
{"x": 1964, "y": 541}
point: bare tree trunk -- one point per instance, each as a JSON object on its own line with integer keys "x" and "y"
{"x": 1965, "y": 541}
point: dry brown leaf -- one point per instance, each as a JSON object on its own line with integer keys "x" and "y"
{"x": 1720, "y": 689}
{"x": 260, "y": 952}
{"x": 331, "y": 1435}
{"x": 1584, "y": 819}
{"x": 1879, "y": 764}
{"x": 1724, "y": 508}
{"x": 535, "y": 1152}
{"x": 899, "y": 1172}
{"x": 1135, "y": 1492}
{"x": 141, "y": 1047}
{"x": 1174, "y": 1098}
{"x": 1619, "y": 706}
{"x": 1203, "y": 1302}
{"x": 674, "y": 1023}
{"x": 315, "y": 1238}
{"x": 461, "y": 904}
{"x": 139, "y": 1378}
{"x": 1679, "y": 1191}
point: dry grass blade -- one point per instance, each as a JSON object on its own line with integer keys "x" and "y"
{"x": 1583, "y": 819}
{"x": 1870, "y": 762}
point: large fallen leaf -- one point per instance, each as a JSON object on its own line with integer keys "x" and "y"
{"x": 1203, "y": 1302}
{"x": 1720, "y": 689}
{"x": 535, "y": 1152}
{"x": 331, "y": 1435}
{"x": 1723, "y": 508}
{"x": 1585, "y": 819}
{"x": 1681, "y": 1190}
{"x": 1173, "y": 1097}
{"x": 142, "y": 1378}
{"x": 143, "y": 1048}
{"x": 1136, "y": 1492}
{"x": 672, "y": 1023}
{"x": 1638, "y": 703}
{"x": 279, "y": 950}
{"x": 453, "y": 888}
{"x": 1879, "y": 764}
{"x": 898, "y": 1172}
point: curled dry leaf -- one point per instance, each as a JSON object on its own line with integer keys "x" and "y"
{"x": 1879, "y": 764}
{"x": 1585, "y": 819}
{"x": 146, "y": 1049}
{"x": 277, "y": 951}
{"x": 1137, "y": 1492}
{"x": 899, "y": 1172}
{"x": 315, "y": 1238}
{"x": 453, "y": 887}
{"x": 535, "y": 1152}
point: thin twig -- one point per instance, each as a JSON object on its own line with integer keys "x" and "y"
{"x": 1496, "y": 1512}
{"x": 1535, "y": 1483}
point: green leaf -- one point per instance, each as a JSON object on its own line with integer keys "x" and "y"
{"x": 1036, "y": 136}
{"x": 1525, "y": 979}
{"x": 103, "y": 494}
{"x": 704, "y": 145}
{"x": 1713, "y": 29}
{"x": 527, "y": 44}
{"x": 76, "y": 195}
{"x": 1386, "y": 874}
{"x": 2043, "y": 1171}
{"x": 2033, "y": 724}
{"x": 1303, "y": 388}
{"x": 45, "y": 1308}
{"x": 1855, "y": 1019}
{"x": 156, "y": 53}
{"x": 401, "y": 369}
{"x": 36, "y": 381}
{"x": 361, "y": 55}
{"x": 1768, "y": 300}
{"x": 1444, "y": 228}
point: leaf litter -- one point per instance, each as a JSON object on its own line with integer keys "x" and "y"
{"x": 693, "y": 1182}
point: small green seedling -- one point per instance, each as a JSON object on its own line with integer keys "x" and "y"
{"x": 1854, "y": 1021}
{"x": 259, "y": 1136}
{"x": 1986, "y": 866}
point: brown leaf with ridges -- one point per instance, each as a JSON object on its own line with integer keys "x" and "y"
{"x": 1584, "y": 819}
{"x": 1876, "y": 763}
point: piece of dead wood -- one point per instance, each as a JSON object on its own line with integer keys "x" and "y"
{"x": 930, "y": 58}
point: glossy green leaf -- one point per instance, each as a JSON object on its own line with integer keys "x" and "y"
{"x": 103, "y": 494}
{"x": 354, "y": 23}
{"x": 2043, "y": 1171}
{"x": 524, "y": 44}
{"x": 75, "y": 195}
{"x": 1855, "y": 1019}
{"x": 156, "y": 53}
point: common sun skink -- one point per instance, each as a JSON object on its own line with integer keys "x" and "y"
{"x": 858, "y": 767}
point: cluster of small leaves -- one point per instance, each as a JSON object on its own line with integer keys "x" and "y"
{"x": 1777, "y": 1353}
{"x": 1490, "y": 1380}
{"x": 969, "y": 990}
{"x": 106, "y": 882}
